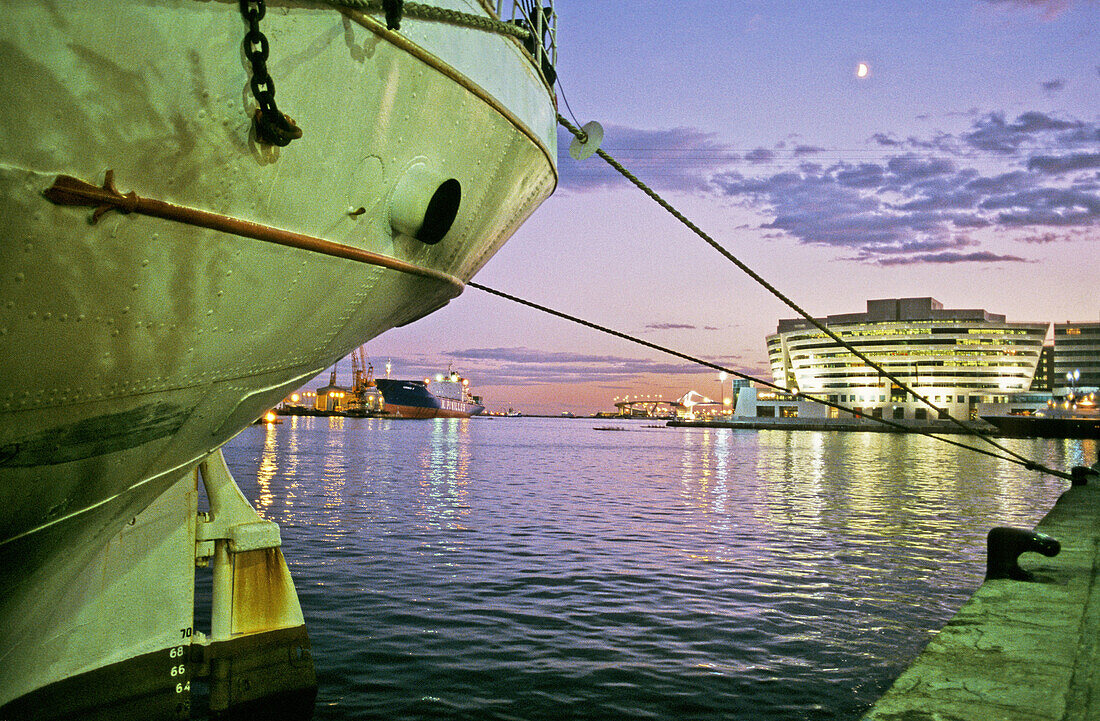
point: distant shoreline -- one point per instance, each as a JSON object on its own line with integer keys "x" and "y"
{"x": 838, "y": 424}
{"x": 782, "y": 424}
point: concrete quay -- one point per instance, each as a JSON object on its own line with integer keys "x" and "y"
{"x": 1019, "y": 650}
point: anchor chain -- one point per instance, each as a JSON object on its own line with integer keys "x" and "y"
{"x": 272, "y": 126}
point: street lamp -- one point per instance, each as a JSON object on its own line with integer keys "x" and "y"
{"x": 1073, "y": 376}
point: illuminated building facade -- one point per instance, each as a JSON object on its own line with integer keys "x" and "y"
{"x": 956, "y": 358}
{"x": 1076, "y": 357}
{"x": 1043, "y": 380}
{"x": 333, "y": 398}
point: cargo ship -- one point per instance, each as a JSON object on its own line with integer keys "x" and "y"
{"x": 446, "y": 397}
{"x": 180, "y": 253}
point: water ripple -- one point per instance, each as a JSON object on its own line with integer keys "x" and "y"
{"x": 535, "y": 569}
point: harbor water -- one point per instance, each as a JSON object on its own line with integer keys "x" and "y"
{"x": 527, "y": 568}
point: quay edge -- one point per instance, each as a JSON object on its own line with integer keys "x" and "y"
{"x": 1019, "y": 650}
{"x": 834, "y": 424}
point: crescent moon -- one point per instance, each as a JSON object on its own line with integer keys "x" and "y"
{"x": 862, "y": 70}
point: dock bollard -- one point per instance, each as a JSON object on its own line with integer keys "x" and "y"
{"x": 1080, "y": 475}
{"x": 1004, "y": 546}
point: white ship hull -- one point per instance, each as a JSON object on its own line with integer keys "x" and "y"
{"x": 132, "y": 349}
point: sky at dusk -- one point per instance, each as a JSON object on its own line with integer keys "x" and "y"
{"x": 965, "y": 166}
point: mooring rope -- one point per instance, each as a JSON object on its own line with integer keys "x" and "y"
{"x": 578, "y": 133}
{"x": 422, "y": 11}
{"x": 1019, "y": 460}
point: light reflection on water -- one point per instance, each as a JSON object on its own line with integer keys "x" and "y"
{"x": 444, "y": 472}
{"x": 535, "y": 568}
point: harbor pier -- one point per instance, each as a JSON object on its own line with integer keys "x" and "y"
{"x": 1019, "y": 650}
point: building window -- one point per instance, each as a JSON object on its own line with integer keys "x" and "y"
{"x": 921, "y": 414}
{"x": 788, "y": 411}
{"x": 765, "y": 412}
{"x": 899, "y": 413}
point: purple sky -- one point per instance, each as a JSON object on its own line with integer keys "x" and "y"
{"x": 965, "y": 166}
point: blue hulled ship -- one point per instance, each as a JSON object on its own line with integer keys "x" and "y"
{"x": 446, "y": 397}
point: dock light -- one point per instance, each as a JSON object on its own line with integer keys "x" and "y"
{"x": 295, "y": 397}
{"x": 270, "y": 417}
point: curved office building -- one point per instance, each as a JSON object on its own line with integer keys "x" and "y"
{"x": 955, "y": 358}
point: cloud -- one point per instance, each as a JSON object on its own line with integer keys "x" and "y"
{"x": 923, "y": 200}
{"x": 938, "y": 141}
{"x": 992, "y": 134}
{"x": 1044, "y": 238}
{"x": 1052, "y": 87}
{"x": 887, "y": 140}
{"x": 1045, "y": 206}
{"x": 670, "y": 326}
{"x": 524, "y": 366}
{"x": 674, "y": 159}
{"x": 917, "y": 206}
{"x": 760, "y": 155}
{"x": 1050, "y": 8}
{"x": 953, "y": 257}
{"x": 1058, "y": 165}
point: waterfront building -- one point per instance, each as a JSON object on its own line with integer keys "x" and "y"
{"x": 299, "y": 400}
{"x": 956, "y": 358}
{"x": 333, "y": 398}
{"x": 1076, "y": 358}
{"x": 1043, "y": 381}
{"x": 753, "y": 403}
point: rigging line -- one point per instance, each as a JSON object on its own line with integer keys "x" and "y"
{"x": 1019, "y": 460}
{"x": 775, "y": 291}
{"x": 561, "y": 89}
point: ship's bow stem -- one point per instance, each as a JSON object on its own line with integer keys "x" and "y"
{"x": 258, "y": 651}
{"x": 121, "y": 641}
